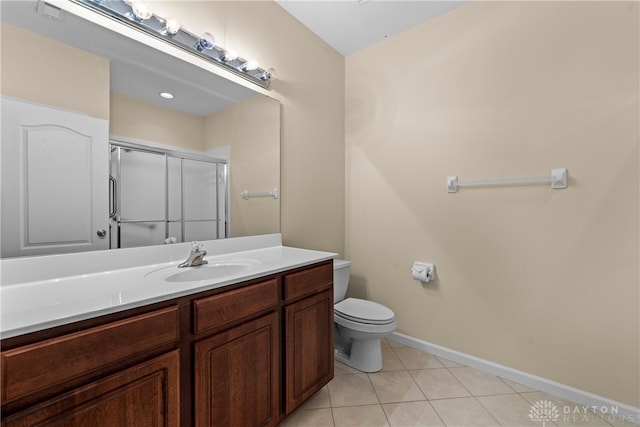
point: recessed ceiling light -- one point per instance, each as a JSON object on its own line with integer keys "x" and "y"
{"x": 167, "y": 95}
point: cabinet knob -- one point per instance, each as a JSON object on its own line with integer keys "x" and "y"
{"x": 101, "y": 232}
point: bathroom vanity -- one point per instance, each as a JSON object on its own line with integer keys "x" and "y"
{"x": 246, "y": 349}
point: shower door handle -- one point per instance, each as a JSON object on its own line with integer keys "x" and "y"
{"x": 113, "y": 197}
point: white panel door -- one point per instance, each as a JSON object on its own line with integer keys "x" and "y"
{"x": 54, "y": 180}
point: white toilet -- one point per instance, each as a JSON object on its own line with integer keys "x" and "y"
{"x": 359, "y": 325}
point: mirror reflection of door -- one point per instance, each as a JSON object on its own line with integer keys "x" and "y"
{"x": 54, "y": 197}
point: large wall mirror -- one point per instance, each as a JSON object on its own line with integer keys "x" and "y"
{"x": 99, "y": 88}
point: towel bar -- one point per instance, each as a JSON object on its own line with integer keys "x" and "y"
{"x": 558, "y": 180}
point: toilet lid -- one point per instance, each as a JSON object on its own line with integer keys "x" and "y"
{"x": 364, "y": 311}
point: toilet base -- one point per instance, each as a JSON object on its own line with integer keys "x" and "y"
{"x": 363, "y": 355}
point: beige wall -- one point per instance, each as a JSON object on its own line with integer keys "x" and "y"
{"x": 544, "y": 281}
{"x": 252, "y": 130}
{"x": 47, "y": 72}
{"x": 142, "y": 120}
{"x": 310, "y": 87}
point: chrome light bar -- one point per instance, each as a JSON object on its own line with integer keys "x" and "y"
{"x": 168, "y": 30}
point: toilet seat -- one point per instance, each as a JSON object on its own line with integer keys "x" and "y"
{"x": 364, "y": 312}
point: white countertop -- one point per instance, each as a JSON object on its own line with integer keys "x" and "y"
{"x": 37, "y": 293}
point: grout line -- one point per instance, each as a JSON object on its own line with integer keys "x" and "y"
{"x": 333, "y": 418}
{"x": 374, "y": 389}
{"x": 460, "y": 382}
{"x": 399, "y": 358}
{"x": 487, "y": 410}
{"x": 437, "y": 413}
{"x": 508, "y": 385}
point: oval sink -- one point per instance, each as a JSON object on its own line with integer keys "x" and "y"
{"x": 208, "y": 271}
{"x": 212, "y": 271}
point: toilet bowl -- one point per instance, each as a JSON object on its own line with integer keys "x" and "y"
{"x": 359, "y": 325}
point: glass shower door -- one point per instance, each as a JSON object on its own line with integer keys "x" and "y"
{"x": 159, "y": 197}
{"x": 141, "y": 217}
{"x": 200, "y": 213}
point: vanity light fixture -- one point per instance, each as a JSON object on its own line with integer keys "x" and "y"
{"x": 206, "y": 41}
{"x": 138, "y": 15}
{"x": 249, "y": 65}
{"x": 166, "y": 95}
{"x": 267, "y": 75}
{"x": 171, "y": 27}
{"x": 140, "y": 10}
{"x": 51, "y": 12}
{"x": 229, "y": 55}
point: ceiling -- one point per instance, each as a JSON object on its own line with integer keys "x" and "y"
{"x": 351, "y": 25}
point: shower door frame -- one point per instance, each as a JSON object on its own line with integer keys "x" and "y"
{"x": 115, "y": 193}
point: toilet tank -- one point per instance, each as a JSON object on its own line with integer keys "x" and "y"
{"x": 341, "y": 273}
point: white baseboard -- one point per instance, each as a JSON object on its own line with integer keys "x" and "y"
{"x": 625, "y": 412}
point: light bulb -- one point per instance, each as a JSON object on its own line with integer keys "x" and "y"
{"x": 250, "y": 65}
{"x": 230, "y": 55}
{"x": 207, "y": 41}
{"x": 140, "y": 10}
{"x": 172, "y": 26}
{"x": 267, "y": 74}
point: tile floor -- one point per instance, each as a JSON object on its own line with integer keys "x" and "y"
{"x": 419, "y": 389}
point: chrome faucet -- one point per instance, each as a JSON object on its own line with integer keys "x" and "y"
{"x": 196, "y": 257}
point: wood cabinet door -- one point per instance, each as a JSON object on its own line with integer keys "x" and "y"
{"x": 144, "y": 395}
{"x": 308, "y": 347}
{"x": 236, "y": 376}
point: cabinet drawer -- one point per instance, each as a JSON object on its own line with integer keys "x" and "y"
{"x": 231, "y": 306}
{"x": 35, "y": 367}
{"x": 308, "y": 281}
{"x": 146, "y": 394}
